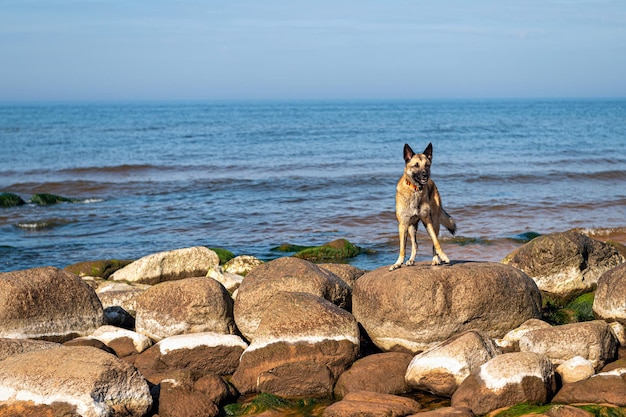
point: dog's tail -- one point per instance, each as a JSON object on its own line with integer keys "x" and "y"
{"x": 447, "y": 221}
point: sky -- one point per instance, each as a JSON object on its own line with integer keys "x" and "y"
{"x": 102, "y": 50}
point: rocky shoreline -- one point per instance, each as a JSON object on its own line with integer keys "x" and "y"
{"x": 183, "y": 333}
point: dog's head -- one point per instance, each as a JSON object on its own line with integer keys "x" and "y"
{"x": 417, "y": 166}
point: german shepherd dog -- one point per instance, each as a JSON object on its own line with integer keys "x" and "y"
{"x": 417, "y": 198}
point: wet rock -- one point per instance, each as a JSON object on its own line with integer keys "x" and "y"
{"x": 366, "y": 404}
{"x": 506, "y": 380}
{"x": 606, "y": 387}
{"x": 47, "y": 303}
{"x": 202, "y": 352}
{"x": 191, "y": 305}
{"x": 298, "y": 328}
{"x": 381, "y": 372}
{"x": 565, "y": 265}
{"x": 11, "y": 200}
{"x": 100, "y": 268}
{"x": 414, "y": 308}
{"x": 284, "y": 274}
{"x": 169, "y": 266}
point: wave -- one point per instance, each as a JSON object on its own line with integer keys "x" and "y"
{"x": 43, "y": 224}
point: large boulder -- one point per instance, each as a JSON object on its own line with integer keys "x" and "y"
{"x": 417, "y": 307}
{"x": 442, "y": 368}
{"x": 565, "y": 265}
{"x": 284, "y": 274}
{"x": 120, "y": 294}
{"x": 591, "y": 340}
{"x": 298, "y": 334}
{"x": 506, "y": 380}
{"x": 10, "y": 347}
{"x": 203, "y": 352}
{"x": 608, "y": 303}
{"x": 190, "y": 305}
{"x": 380, "y": 372}
{"x": 123, "y": 341}
{"x": 47, "y": 303}
{"x": 605, "y": 387}
{"x": 168, "y": 266}
{"x": 92, "y": 382}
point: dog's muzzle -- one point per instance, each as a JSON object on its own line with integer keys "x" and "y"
{"x": 422, "y": 177}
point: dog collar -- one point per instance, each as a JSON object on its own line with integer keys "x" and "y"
{"x": 413, "y": 186}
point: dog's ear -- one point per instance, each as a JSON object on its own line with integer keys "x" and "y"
{"x": 408, "y": 153}
{"x": 429, "y": 151}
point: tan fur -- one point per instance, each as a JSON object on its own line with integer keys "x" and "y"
{"x": 417, "y": 199}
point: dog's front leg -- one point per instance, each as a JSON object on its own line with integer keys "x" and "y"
{"x": 402, "y": 229}
{"x": 439, "y": 256}
{"x": 413, "y": 237}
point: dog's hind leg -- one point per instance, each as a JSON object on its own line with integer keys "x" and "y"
{"x": 439, "y": 256}
{"x": 402, "y": 229}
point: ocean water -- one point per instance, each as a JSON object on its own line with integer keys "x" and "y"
{"x": 249, "y": 176}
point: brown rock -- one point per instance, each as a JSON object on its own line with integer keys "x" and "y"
{"x": 191, "y": 305}
{"x": 564, "y": 265}
{"x": 506, "y": 380}
{"x": 297, "y": 379}
{"x": 202, "y": 352}
{"x": 372, "y": 404}
{"x": 447, "y": 412}
{"x": 567, "y": 411}
{"x": 284, "y": 274}
{"x": 298, "y": 327}
{"x": 606, "y": 387}
{"x": 417, "y": 307}
{"x": 47, "y": 303}
{"x": 30, "y": 409}
{"x": 179, "y": 399}
{"x": 382, "y": 372}
{"x": 348, "y": 273}
{"x": 89, "y": 342}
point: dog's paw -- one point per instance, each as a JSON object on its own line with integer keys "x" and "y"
{"x": 410, "y": 263}
{"x": 394, "y": 267}
{"x": 439, "y": 259}
{"x": 436, "y": 261}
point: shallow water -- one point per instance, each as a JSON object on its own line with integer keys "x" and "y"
{"x": 252, "y": 175}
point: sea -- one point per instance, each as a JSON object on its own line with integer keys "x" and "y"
{"x": 249, "y": 176}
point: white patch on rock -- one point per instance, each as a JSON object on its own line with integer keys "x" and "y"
{"x": 264, "y": 342}
{"x": 193, "y": 340}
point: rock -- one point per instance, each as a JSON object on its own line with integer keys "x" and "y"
{"x": 183, "y": 394}
{"x": 47, "y": 303}
{"x": 242, "y": 265}
{"x": 229, "y": 280}
{"x": 298, "y": 328}
{"x": 191, "y": 305}
{"x": 417, "y": 307}
{"x": 88, "y": 341}
{"x": 45, "y": 199}
{"x": 123, "y": 342}
{"x": 10, "y": 347}
{"x": 567, "y": 411}
{"x": 202, "y": 352}
{"x": 592, "y": 340}
{"x": 118, "y": 317}
{"x": 532, "y": 324}
{"x": 442, "y": 368}
{"x": 120, "y": 294}
{"x": 564, "y": 265}
{"x": 331, "y": 251}
{"x": 619, "y": 331}
{"x": 507, "y": 379}
{"x": 11, "y": 200}
{"x": 605, "y": 387}
{"x": 608, "y": 303}
{"x": 348, "y": 273}
{"x": 30, "y": 409}
{"x": 447, "y": 412}
{"x": 575, "y": 369}
{"x": 381, "y": 372}
{"x": 303, "y": 379}
{"x": 95, "y": 382}
{"x": 169, "y": 266}
{"x": 372, "y": 404}
{"x": 101, "y": 268}
{"x": 284, "y": 274}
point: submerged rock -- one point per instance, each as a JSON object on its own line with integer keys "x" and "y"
{"x": 10, "y": 200}
{"x": 44, "y": 199}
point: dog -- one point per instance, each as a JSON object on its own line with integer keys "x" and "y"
{"x": 417, "y": 198}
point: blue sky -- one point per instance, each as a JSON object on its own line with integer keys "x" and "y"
{"x": 338, "y": 49}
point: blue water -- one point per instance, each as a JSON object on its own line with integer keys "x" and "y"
{"x": 249, "y": 176}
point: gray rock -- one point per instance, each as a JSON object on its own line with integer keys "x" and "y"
{"x": 415, "y": 308}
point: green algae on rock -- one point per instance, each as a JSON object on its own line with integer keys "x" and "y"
{"x": 100, "y": 268}
{"x": 45, "y": 199}
{"x": 335, "y": 250}
{"x": 10, "y": 200}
